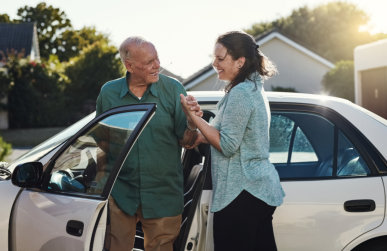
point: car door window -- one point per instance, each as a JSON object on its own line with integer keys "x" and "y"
{"x": 307, "y": 145}
{"x": 84, "y": 166}
{"x": 302, "y": 149}
{"x": 349, "y": 161}
{"x": 280, "y": 134}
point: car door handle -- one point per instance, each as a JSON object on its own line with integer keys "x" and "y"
{"x": 74, "y": 227}
{"x": 359, "y": 205}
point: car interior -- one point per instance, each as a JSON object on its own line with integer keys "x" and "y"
{"x": 313, "y": 147}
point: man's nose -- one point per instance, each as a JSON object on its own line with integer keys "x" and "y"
{"x": 156, "y": 64}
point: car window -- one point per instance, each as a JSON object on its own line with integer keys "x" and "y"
{"x": 280, "y": 133}
{"x": 350, "y": 162}
{"x": 46, "y": 149}
{"x": 84, "y": 166}
{"x": 305, "y": 145}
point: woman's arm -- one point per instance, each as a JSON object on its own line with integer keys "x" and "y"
{"x": 210, "y": 133}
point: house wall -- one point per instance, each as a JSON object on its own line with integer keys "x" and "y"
{"x": 296, "y": 69}
{"x": 212, "y": 83}
{"x": 370, "y": 63}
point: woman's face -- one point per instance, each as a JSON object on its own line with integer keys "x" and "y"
{"x": 226, "y": 67}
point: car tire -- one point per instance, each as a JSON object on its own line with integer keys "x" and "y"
{"x": 378, "y": 244}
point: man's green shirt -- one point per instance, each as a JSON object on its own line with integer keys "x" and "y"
{"x": 151, "y": 176}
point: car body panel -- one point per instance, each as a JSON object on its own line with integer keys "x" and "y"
{"x": 50, "y": 233}
{"x": 370, "y": 235}
{"x": 7, "y": 197}
{"x": 305, "y": 219}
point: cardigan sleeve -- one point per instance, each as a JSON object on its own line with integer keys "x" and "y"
{"x": 235, "y": 118}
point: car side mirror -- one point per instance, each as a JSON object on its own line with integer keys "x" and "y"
{"x": 28, "y": 175}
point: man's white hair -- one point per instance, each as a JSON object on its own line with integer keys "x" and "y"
{"x": 124, "y": 47}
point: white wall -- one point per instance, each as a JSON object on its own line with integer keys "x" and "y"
{"x": 366, "y": 57}
{"x": 296, "y": 69}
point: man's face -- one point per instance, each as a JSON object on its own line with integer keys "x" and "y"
{"x": 144, "y": 64}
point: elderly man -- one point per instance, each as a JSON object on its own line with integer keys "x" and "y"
{"x": 149, "y": 187}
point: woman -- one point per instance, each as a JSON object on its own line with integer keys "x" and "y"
{"x": 246, "y": 186}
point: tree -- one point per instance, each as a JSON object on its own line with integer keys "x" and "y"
{"x": 5, "y": 149}
{"x": 331, "y": 30}
{"x": 50, "y": 22}
{"x": 96, "y": 64}
{"x": 71, "y": 42}
{"x": 35, "y": 95}
{"x": 339, "y": 81}
{"x": 4, "y": 18}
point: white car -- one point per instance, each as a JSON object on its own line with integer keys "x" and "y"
{"x": 330, "y": 153}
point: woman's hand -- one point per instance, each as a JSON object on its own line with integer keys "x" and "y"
{"x": 190, "y": 106}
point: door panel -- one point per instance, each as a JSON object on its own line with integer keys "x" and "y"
{"x": 43, "y": 225}
{"x": 68, "y": 210}
{"x": 317, "y": 218}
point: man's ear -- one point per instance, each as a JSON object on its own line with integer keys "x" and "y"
{"x": 129, "y": 66}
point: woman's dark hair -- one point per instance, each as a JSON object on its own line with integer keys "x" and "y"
{"x": 240, "y": 44}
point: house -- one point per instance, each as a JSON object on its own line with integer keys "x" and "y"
{"x": 20, "y": 38}
{"x": 299, "y": 68}
{"x": 370, "y": 63}
{"x": 170, "y": 74}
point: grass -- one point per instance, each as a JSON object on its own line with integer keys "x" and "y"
{"x": 27, "y": 138}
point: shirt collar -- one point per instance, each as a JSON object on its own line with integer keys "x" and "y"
{"x": 255, "y": 77}
{"x": 125, "y": 89}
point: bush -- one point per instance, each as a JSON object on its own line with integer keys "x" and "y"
{"x": 86, "y": 73}
{"x": 283, "y": 89}
{"x": 5, "y": 149}
{"x": 35, "y": 96}
{"x": 339, "y": 81}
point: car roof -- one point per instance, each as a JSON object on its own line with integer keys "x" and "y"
{"x": 369, "y": 123}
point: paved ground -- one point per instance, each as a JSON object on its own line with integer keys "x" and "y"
{"x": 16, "y": 152}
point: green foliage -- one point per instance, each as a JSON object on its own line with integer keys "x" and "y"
{"x": 86, "y": 73}
{"x": 5, "y": 149}
{"x": 4, "y": 18}
{"x": 35, "y": 95}
{"x": 339, "y": 81}
{"x": 38, "y": 92}
{"x": 331, "y": 30}
{"x": 283, "y": 89}
{"x": 71, "y": 42}
{"x": 50, "y": 23}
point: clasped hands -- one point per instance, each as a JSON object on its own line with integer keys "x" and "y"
{"x": 190, "y": 107}
{"x": 193, "y": 112}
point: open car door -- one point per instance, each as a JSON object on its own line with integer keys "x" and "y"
{"x": 64, "y": 203}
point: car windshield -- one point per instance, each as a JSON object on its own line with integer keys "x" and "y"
{"x": 45, "y": 147}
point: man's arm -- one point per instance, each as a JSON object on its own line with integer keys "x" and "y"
{"x": 189, "y": 137}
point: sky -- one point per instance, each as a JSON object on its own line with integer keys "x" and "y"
{"x": 184, "y": 31}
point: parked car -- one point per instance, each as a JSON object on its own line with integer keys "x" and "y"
{"x": 330, "y": 154}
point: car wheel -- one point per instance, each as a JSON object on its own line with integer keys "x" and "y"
{"x": 378, "y": 244}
